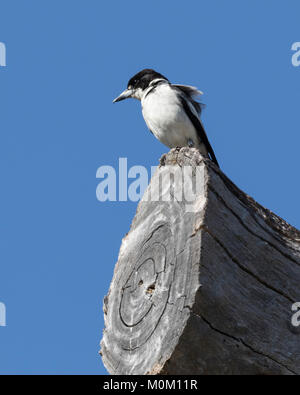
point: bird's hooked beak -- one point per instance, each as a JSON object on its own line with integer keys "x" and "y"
{"x": 124, "y": 95}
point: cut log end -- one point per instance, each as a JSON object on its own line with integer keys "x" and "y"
{"x": 202, "y": 286}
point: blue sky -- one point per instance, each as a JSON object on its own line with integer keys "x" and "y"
{"x": 66, "y": 61}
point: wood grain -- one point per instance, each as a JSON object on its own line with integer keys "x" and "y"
{"x": 202, "y": 286}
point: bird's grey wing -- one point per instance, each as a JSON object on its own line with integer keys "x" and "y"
{"x": 199, "y": 127}
{"x": 191, "y": 92}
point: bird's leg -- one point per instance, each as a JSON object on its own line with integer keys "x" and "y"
{"x": 190, "y": 143}
{"x": 163, "y": 160}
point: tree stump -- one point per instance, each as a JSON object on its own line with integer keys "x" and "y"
{"x": 203, "y": 285}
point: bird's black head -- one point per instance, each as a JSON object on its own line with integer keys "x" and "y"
{"x": 143, "y": 79}
{"x": 139, "y": 83}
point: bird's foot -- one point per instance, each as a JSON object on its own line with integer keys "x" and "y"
{"x": 162, "y": 161}
{"x": 190, "y": 143}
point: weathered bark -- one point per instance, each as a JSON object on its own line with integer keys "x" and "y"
{"x": 206, "y": 286}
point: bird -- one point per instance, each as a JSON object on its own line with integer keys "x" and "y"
{"x": 170, "y": 111}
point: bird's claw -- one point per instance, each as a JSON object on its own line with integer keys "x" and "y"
{"x": 190, "y": 143}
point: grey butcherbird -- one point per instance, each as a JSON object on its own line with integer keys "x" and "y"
{"x": 170, "y": 111}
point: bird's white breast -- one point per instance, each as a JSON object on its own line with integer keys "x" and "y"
{"x": 165, "y": 117}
